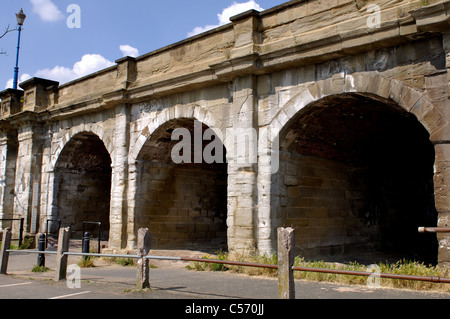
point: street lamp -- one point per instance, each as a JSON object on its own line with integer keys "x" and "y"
{"x": 20, "y": 20}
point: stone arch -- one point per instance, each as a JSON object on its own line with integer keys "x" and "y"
{"x": 88, "y": 128}
{"x": 183, "y": 204}
{"x": 81, "y": 178}
{"x": 370, "y": 86}
{"x": 372, "y": 83}
{"x": 177, "y": 112}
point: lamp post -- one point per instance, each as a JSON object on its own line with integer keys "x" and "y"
{"x": 20, "y": 20}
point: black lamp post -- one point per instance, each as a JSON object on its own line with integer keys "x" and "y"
{"x": 20, "y": 20}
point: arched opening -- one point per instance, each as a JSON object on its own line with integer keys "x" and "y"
{"x": 83, "y": 185}
{"x": 183, "y": 202}
{"x": 356, "y": 181}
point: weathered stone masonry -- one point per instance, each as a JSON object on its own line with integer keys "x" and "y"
{"x": 353, "y": 116}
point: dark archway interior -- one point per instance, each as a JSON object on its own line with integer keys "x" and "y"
{"x": 83, "y": 185}
{"x": 184, "y": 205}
{"x": 356, "y": 180}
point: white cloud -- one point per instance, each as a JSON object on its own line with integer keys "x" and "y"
{"x": 88, "y": 64}
{"x": 237, "y": 8}
{"x": 226, "y": 14}
{"x": 91, "y": 63}
{"x": 47, "y": 10}
{"x": 58, "y": 73}
{"x": 198, "y": 30}
{"x": 22, "y": 78}
{"x": 128, "y": 50}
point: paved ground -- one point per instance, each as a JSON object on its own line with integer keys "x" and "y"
{"x": 171, "y": 280}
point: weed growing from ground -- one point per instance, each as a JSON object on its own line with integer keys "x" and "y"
{"x": 402, "y": 267}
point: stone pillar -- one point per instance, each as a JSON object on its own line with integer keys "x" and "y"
{"x": 242, "y": 129}
{"x": 11, "y": 103}
{"x": 133, "y": 175}
{"x": 48, "y": 187}
{"x": 241, "y": 144}
{"x": 264, "y": 215}
{"x": 442, "y": 167}
{"x": 118, "y": 206}
{"x": 8, "y": 156}
{"x": 442, "y": 199}
{"x": 28, "y": 173}
{"x": 3, "y": 163}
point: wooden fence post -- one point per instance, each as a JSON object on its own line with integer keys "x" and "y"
{"x": 4, "y": 255}
{"x": 143, "y": 246}
{"x": 286, "y": 245}
{"x": 61, "y": 258}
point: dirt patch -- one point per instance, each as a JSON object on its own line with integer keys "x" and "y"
{"x": 166, "y": 264}
{"x": 174, "y": 264}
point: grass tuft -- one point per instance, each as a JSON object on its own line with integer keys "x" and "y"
{"x": 402, "y": 267}
{"x": 40, "y": 269}
{"x": 87, "y": 262}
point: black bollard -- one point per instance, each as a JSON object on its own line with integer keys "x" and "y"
{"x": 86, "y": 245}
{"x": 41, "y": 247}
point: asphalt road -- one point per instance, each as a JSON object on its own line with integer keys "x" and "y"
{"x": 172, "y": 281}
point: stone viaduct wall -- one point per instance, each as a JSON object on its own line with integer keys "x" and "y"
{"x": 344, "y": 101}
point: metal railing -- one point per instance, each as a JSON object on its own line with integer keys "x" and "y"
{"x": 244, "y": 264}
{"x": 434, "y": 230}
{"x": 292, "y": 268}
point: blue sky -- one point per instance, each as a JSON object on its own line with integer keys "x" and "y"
{"x": 109, "y": 30}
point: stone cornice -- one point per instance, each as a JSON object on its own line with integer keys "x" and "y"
{"x": 5, "y": 126}
{"x": 26, "y": 118}
{"x": 10, "y": 92}
{"x": 433, "y": 18}
{"x": 180, "y": 82}
{"x": 33, "y": 82}
{"x": 251, "y": 53}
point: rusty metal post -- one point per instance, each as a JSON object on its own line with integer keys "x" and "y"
{"x": 4, "y": 255}
{"x": 434, "y": 229}
{"x": 143, "y": 273}
{"x": 286, "y": 245}
{"x": 61, "y": 258}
